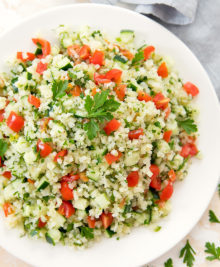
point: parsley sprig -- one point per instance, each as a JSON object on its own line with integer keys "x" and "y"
{"x": 188, "y": 125}
{"x": 187, "y": 253}
{"x": 168, "y": 263}
{"x": 212, "y": 217}
{"x": 99, "y": 109}
{"x": 213, "y": 251}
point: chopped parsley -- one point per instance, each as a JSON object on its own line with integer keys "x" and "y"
{"x": 3, "y": 147}
{"x": 87, "y": 232}
{"x": 138, "y": 57}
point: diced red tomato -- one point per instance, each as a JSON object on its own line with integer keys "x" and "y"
{"x": 91, "y": 222}
{"x": 66, "y": 209}
{"x": 66, "y": 192}
{"x": 160, "y": 101}
{"x": 40, "y": 223}
{"x": 189, "y": 149}
{"x": 120, "y": 91}
{"x": 8, "y": 209}
{"x": 7, "y": 174}
{"x": 167, "y": 192}
{"x": 167, "y": 113}
{"x": 133, "y": 178}
{"x": 97, "y": 58}
{"x": 162, "y": 70}
{"x": 45, "y": 46}
{"x": 142, "y": 96}
{"x": 126, "y": 53}
{"x": 2, "y": 115}
{"x": 111, "y": 158}
{"x": 191, "y": 89}
{"x": 167, "y": 136}
{"x": 76, "y": 91}
{"x": 41, "y": 67}
{"x": 112, "y": 126}
{"x": 106, "y": 219}
{"x": 148, "y": 51}
{"x": 100, "y": 78}
{"x": 70, "y": 178}
{"x": 0, "y": 161}
{"x": 33, "y": 100}
{"x": 25, "y": 56}
{"x": 44, "y": 148}
{"x": 114, "y": 75}
{"x": 31, "y": 181}
{"x": 15, "y": 122}
{"x": 71, "y": 50}
{"x": 135, "y": 134}
{"x": 84, "y": 52}
{"x": 172, "y": 176}
{"x": 60, "y": 154}
{"x": 155, "y": 180}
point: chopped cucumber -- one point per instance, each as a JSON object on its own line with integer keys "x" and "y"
{"x": 120, "y": 59}
{"x": 132, "y": 158}
{"x": 127, "y": 36}
{"x": 81, "y": 203}
{"x": 102, "y": 201}
{"x": 49, "y": 239}
{"x": 44, "y": 183}
{"x": 93, "y": 174}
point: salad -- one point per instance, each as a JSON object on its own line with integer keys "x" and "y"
{"x": 94, "y": 133}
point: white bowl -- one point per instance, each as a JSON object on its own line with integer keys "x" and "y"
{"x": 191, "y": 197}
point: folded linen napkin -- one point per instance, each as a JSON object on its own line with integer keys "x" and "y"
{"x": 180, "y": 12}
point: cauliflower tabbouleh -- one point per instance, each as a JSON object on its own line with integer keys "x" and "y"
{"x": 93, "y": 134}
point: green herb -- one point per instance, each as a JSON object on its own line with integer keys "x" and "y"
{"x": 127, "y": 209}
{"x": 87, "y": 232}
{"x": 139, "y": 56}
{"x": 81, "y": 95}
{"x": 149, "y": 213}
{"x": 110, "y": 232}
{"x": 132, "y": 86}
{"x": 157, "y": 229}
{"x": 157, "y": 124}
{"x": 59, "y": 89}
{"x": 183, "y": 164}
{"x": 171, "y": 144}
{"x": 112, "y": 198}
{"x": 29, "y": 75}
{"x": 98, "y": 109}
{"x": 141, "y": 79}
{"x": 34, "y": 232}
{"x": 96, "y": 33}
{"x": 67, "y": 66}
{"x": 187, "y": 254}
{"x": 38, "y": 51}
{"x": 120, "y": 59}
{"x": 69, "y": 227}
{"x": 3, "y": 147}
{"x": 45, "y": 140}
{"x": 49, "y": 239}
{"x": 212, "y": 217}
{"x": 214, "y": 251}
{"x": 188, "y": 125}
{"x": 168, "y": 263}
{"x": 13, "y": 81}
{"x": 79, "y": 81}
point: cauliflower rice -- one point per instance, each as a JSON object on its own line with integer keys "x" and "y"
{"x": 93, "y": 133}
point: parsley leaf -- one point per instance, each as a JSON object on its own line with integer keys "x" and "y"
{"x": 138, "y": 57}
{"x": 87, "y": 232}
{"x": 187, "y": 254}
{"x": 92, "y": 128}
{"x": 212, "y": 217}
{"x": 214, "y": 251}
{"x": 188, "y": 125}
{"x": 98, "y": 109}
{"x": 168, "y": 263}
{"x": 3, "y": 147}
{"x": 59, "y": 89}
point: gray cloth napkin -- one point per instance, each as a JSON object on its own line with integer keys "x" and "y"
{"x": 180, "y": 12}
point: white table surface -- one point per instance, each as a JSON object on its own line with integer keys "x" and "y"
{"x": 12, "y": 11}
